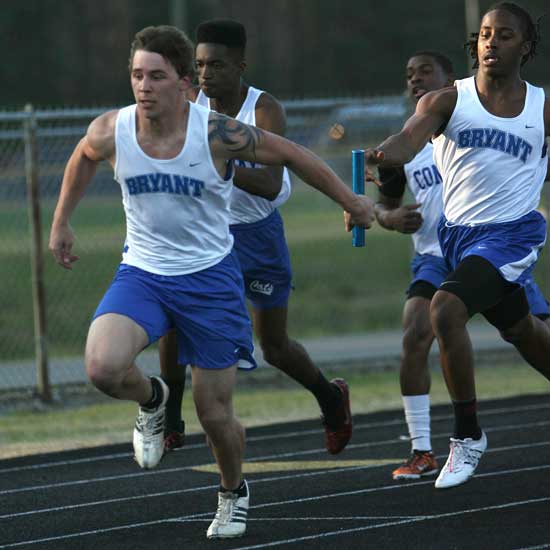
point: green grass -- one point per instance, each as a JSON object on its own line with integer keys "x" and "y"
{"x": 338, "y": 288}
{"x": 266, "y": 398}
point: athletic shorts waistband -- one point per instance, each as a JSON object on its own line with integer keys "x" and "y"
{"x": 255, "y": 225}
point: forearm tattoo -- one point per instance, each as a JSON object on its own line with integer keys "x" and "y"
{"x": 236, "y": 137}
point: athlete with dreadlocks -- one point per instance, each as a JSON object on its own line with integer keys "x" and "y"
{"x": 489, "y": 146}
{"x": 426, "y": 71}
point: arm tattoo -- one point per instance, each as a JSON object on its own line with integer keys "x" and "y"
{"x": 237, "y": 137}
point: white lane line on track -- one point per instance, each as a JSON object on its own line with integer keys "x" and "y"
{"x": 60, "y": 463}
{"x": 393, "y": 486}
{"x": 539, "y": 547}
{"x": 277, "y": 456}
{"x": 179, "y": 491}
{"x": 414, "y": 519}
{"x": 432, "y": 517}
{"x": 296, "y": 433}
{"x": 327, "y": 518}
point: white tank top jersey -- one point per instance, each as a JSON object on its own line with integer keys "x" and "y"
{"x": 177, "y": 210}
{"x": 424, "y": 182}
{"x": 490, "y": 165}
{"x": 245, "y": 207}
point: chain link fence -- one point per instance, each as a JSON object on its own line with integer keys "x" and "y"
{"x": 46, "y": 310}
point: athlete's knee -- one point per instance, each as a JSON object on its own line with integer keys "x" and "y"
{"x": 102, "y": 372}
{"x": 417, "y": 338}
{"x": 447, "y": 312}
{"x": 275, "y": 350}
{"x": 215, "y": 418}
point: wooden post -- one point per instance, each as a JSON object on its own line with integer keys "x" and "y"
{"x": 37, "y": 258}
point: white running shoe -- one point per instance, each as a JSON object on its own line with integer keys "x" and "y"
{"x": 149, "y": 432}
{"x": 463, "y": 459}
{"x": 230, "y": 520}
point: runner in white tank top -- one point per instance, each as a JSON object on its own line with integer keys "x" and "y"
{"x": 426, "y": 71}
{"x": 172, "y": 159}
{"x": 474, "y": 139}
{"x": 490, "y": 133}
{"x": 246, "y": 207}
{"x": 259, "y": 235}
{"x": 176, "y": 209}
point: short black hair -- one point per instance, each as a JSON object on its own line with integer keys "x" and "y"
{"x": 170, "y": 42}
{"x": 441, "y": 59}
{"x": 530, "y": 29}
{"x": 228, "y": 32}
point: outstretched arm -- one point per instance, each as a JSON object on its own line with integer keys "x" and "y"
{"x": 432, "y": 113}
{"x": 97, "y": 145}
{"x": 230, "y": 139}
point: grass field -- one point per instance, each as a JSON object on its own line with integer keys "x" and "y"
{"x": 264, "y": 398}
{"x": 338, "y": 288}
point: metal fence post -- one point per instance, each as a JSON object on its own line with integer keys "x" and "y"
{"x": 37, "y": 259}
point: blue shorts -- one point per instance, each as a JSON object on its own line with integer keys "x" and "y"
{"x": 511, "y": 247}
{"x": 429, "y": 268}
{"x": 265, "y": 261}
{"x": 207, "y": 308}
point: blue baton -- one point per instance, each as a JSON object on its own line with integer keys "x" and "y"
{"x": 358, "y": 185}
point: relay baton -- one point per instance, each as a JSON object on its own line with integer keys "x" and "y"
{"x": 358, "y": 185}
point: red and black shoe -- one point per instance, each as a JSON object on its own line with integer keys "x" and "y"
{"x": 338, "y": 431}
{"x": 173, "y": 439}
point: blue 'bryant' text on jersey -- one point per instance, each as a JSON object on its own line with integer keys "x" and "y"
{"x": 495, "y": 139}
{"x": 164, "y": 183}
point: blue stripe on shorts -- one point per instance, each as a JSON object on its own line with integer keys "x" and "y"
{"x": 207, "y": 308}
{"x": 265, "y": 262}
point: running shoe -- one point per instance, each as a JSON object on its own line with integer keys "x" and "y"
{"x": 338, "y": 432}
{"x": 230, "y": 519}
{"x": 149, "y": 432}
{"x": 173, "y": 440}
{"x": 463, "y": 459}
{"x": 420, "y": 463}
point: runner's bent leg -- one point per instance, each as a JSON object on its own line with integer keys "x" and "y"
{"x": 113, "y": 343}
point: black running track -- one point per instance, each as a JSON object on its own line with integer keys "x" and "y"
{"x": 301, "y": 498}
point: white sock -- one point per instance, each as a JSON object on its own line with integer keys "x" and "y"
{"x": 417, "y": 415}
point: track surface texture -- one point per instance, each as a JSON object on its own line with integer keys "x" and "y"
{"x": 301, "y": 497}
